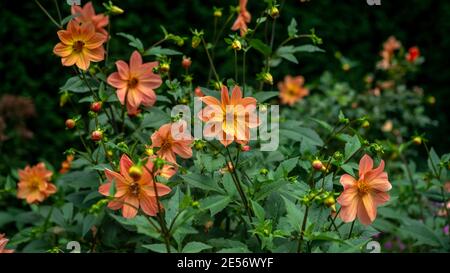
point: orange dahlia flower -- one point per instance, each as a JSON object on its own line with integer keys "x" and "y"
{"x": 292, "y": 90}
{"x": 230, "y": 119}
{"x": 173, "y": 139}
{"x": 244, "y": 17}
{"x": 135, "y": 83}
{"x": 133, "y": 193}
{"x": 86, "y": 15}
{"x": 362, "y": 196}
{"x": 3, "y": 243}
{"x": 66, "y": 164}
{"x": 34, "y": 184}
{"x": 80, "y": 45}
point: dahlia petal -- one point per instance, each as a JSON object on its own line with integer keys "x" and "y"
{"x": 69, "y": 60}
{"x": 224, "y": 96}
{"x": 96, "y": 54}
{"x": 365, "y": 165}
{"x": 209, "y": 100}
{"x": 347, "y": 181}
{"x": 149, "y": 205}
{"x": 123, "y": 69}
{"x": 348, "y": 196}
{"x": 348, "y": 213}
{"x": 369, "y": 206}
{"x": 95, "y": 41}
{"x": 183, "y": 151}
{"x": 116, "y": 81}
{"x": 65, "y": 37}
{"x": 121, "y": 93}
{"x": 148, "y": 98}
{"x": 236, "y": 95}
{"x": 130, "y": 207}
{"x": 83, "y": 61}
{"x": 125, "y": 165}
{"x": 380, "y": 198}
{"x": 135, "y": 62}
{"x": 363, "y": 215}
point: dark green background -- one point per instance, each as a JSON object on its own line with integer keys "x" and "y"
{"x": 28, "y": 67}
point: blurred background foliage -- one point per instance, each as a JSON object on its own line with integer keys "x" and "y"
{"x": 28, "y": 67}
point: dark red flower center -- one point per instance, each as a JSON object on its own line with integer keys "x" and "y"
{"x": 78, "y": 46}
{"x": 132, "y": 83}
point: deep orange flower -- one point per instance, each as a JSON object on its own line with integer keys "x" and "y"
{"x": 292, "y": 90}
{"x": 362, "y": 196}
{"x": 3, "y": 243}
{"x": 34, "y": 184}
{"x": 86, "y": 15}
{"x": 131, "y": 194}
{"x": 80, "y": 45}
{"x": 172, "y": 139}
{"x": 244, "y": 17}
{"x": 136, "y": 82}
{"x": 66, "y": 164}
{"x": 230, "y": 119}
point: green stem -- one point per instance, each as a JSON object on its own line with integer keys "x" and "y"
{"x": 210, "y": 60}
{"x": 48, "y": 14}
{"x": 351, "y": 230}
{"x": 302, "y": 230}
{"x": 235, "y": 66}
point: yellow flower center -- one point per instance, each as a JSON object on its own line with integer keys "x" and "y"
{"x": 132, "y": 83}
{"x": 34, "y": 184}
{"x": 78, "y": 46}
{"x": 134, "y": 188}
{"x": 363, "y": 187}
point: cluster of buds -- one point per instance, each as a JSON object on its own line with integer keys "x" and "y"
{"x": 320, "y": 197}
{"x": 98, "y": 207}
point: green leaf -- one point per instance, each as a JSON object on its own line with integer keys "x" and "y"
{"x": 88, "y": 222}
{"x": 158, "y": 51}
{"x": 195, "y": 247}
{"x": 433, "y": 162}
{"x": 285, "y": 167}
{"x": 134, "y": 42}
{"x": 308, "y": 48}
{"x": 215, "y": 203}
{"x": 302, "y": 134}
{"x": 159, "y": 248}
{"x": 80, "y": 179}
{"x": 421, "y": 233}
{"x": 202, "y": 182}
{"x": 261, "y": 47}
{"x": 352, "y": 146}
{"x": 77, "y": 85}
{"x": 259, "y": 211}
{"x": 292, "y": 28}
{"x": 265, "y": 95}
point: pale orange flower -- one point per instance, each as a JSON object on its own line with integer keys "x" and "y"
{"x": 135, "y": 83}
{"x": 86, "y": 15}
{"x": 362, "y": 196}
{"x": 172, "y": 139}
{"x": 80, "y": 45}
{"x": 244, "y": 17}
{"x": 292, "y": 90}
{"x": 133, "y": 193}
{"x": 230, "y": 119}
{"x": 389, "y": 47}
{"x": 3, "y": 243}
{"x": 34, "y": 184}
{"x": 66, "y": 164}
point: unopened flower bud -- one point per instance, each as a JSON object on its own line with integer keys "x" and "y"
{"x": 317, "y": 165}
{"x": 365, "y": 124}
{"x": 198, "y": 92}
{"x": 199, "y": 144}
{"x": 70, "y": 123}
{"x": 164, "y": 67}
{"x": 149, "y": 151}
{"x": 97, "y": 135}
{"x": 115, "y": 10}
{"x": 417, "y": 140}
{"x": 195, "y": 41}
{"x": 245, "y": 148}
{"x": 274, "y": 12}
{"x": 236, "y": 45}
{"x": 267, "y": 78}
{"x": 96, "y": 106}
{"x": 431, "y": 100}
{"x": 218, "y": 85}
{"x": 135, "y": 172}
{"x": 329, "y": 201}
{"x": 217, "y": 12}
{"x": 264, "y": 171}
{"x": 186, "y": 62}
